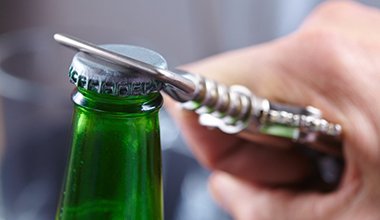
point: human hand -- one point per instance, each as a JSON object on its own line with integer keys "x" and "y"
{"x": 333, "y": 63}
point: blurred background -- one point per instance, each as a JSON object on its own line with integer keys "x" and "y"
{"x": 35, "y": 105}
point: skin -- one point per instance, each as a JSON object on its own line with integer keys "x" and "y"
{"x": 331, "y": 62}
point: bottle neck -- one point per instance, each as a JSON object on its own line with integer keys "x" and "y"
{"x": 126, "y": 104}
{"x": 114, "y": 169}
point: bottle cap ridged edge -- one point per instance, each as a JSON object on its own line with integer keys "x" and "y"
{"x": 114, "y": 87}
{"x": 100, "y": 76}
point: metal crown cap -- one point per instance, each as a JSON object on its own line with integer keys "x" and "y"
{"x": 103, "y": 77}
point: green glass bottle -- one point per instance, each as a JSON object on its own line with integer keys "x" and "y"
{"x": 114, "y": 167}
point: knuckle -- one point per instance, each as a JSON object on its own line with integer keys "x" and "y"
{"x": 334, "y": 14}
{"x": 318, "y": 56}
{"x": 323, "y": 49}
{"x": 320, "y": 41}
{"x": 331, "y": 9}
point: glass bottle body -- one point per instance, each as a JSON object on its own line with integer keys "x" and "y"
{"x": 114, "y": 169}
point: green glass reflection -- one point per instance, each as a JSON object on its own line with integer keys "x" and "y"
{"x": 114, "y": 170}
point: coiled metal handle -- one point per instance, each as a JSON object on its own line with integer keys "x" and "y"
{"x": 235, "y": 110}
{"x": 228, "y": 108}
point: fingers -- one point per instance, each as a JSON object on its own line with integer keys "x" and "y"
{"x": 207, "y": 144}
{"x": 246, "y": 202}
{"x": 262, "y": 165}
{"x": 250, "y": 161}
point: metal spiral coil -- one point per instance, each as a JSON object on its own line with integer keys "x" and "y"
{"x": 230, "y": 107}
{"x": 235, "y": 109}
